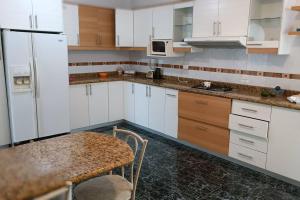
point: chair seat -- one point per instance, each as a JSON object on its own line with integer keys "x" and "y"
{"x": 110, "y": 187}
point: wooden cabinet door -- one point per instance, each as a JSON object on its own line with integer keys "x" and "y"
{"x": 96, "y": 26}
{"x": 79, "y": 105}
{"x": 141, "y": 105}
{"x": 284, "y": 140}
{"x": 16, "y": 14}
{"x": 157, "y": 108}
{"x": 233, "y": 12}
{"x": 116, "y": 103}
{"x": 71, "y": 24}
{"x": 124, "y": 28}
{"x": 48, "y": 15}
{"x": 98, "y": 103}
{"x": 142, "y": 27}
{"x": 163, "y": 22}
{"x": 205, "y": 18}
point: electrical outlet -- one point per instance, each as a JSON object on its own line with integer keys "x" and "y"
{"x": 185, "y": 67}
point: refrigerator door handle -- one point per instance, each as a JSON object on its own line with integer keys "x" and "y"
{"x": 36, "y": 22}
{"x": 36, "y": 78}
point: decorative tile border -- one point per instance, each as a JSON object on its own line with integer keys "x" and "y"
{"x": 195, "y": 68}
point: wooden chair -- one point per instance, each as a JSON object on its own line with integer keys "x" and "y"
{"x": 115, "y": 187}
{"x": 65, "y": 192}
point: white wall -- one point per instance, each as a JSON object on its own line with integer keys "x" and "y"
{"x": 103, "y": 3}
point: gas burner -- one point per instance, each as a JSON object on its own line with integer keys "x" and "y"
{"x": 213, "y": 87}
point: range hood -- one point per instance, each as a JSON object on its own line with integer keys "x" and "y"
{"x": 217, "y": 42}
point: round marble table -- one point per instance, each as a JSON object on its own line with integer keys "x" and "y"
{"x": 37, "y": 168}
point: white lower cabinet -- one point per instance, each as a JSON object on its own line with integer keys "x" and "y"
{"x": 284, "y": 143}
{"x": 129, "y": 101}
{"x": 116, "y": 103}
{"x": 98, "y": 103}
{"x": 141, "y": 108}
{"x": 157, "y": 101}
{"x": 79, "y": 105}
{"x": 171, "y": 113}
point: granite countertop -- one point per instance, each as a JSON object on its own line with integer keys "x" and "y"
{"x": 240, "y": 92}
{"x": 37, "y": 168}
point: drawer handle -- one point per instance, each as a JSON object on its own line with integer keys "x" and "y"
{"x": 246, "y": 126}
{"x": 201, "y": 102}
{"x": 249, "y": 110}
{"x": 172, "y": 95}
{"x": 245, "y": 156}
{"x": 201, "y": 128}
{"x": 247, "y": 141}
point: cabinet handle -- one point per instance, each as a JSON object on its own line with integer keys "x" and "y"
{"x": 132, "y": 88}
{"x": 214, "y": 27}
{"x": 201, "y": 102}
{"x": 153, "y": 32}
{"x": 246, "y": 126}
{"x": 201, "y": 128}
{"x": 247, "y": 141}
{"x": 249, "y": 110}
{"x": 146, "y": 91}
{"x": 219, "y": 28}
{"x": 78, "y": 39}
{"x": 91, "y": 90}
{"x": 30, "y": 21}
{"x": 150, "y": 91}
{"x": 245, "y": 156}
{"x": 118, "y": 40}
{"x": 36, "y": 22}
{"x": 172, "y": 95}
{"x": 86, "y": 90}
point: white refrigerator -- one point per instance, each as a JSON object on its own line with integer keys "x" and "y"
{"x": 36, "y": 68}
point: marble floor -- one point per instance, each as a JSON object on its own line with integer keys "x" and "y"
{"x": 172, "y": 171}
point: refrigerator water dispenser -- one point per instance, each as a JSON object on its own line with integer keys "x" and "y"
{"x": 22, "y": 79}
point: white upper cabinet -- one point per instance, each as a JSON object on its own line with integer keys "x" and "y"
{"x": 16, "y": 14}
{"x": 156, "y": 108}
{"x": 142, "y": 27}
{"x": 284, "y": 138}
{"x": 217, "y": 18}
{"x": 205, "y": 18}
{"x": 163, "y": 22}
{"x": 116, "y": 103}
{"x": 233, "y": 17}
{"x": 48, "y": 15}
{"x": 36, "y": 15}
{"x": 71, "y": 24}
{"x": 98, "y": 103}
{"x": 124, "y": 28}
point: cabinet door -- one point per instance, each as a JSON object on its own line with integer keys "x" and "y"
{"x": 71, "y": 24}
{"x": 233, "y": 12}
{"x": 142, "y": 27}
{"x": 141, "y": 108}
{"x": 171, "y": 113}
{"x": 79, "y": 105}
{"x": 205, "y": 18}
{"x": 96, "y": 26}
{"x": 124, "y": 28}
{"x": 157, "y": 108}
{"x": 16, "y": 14}
{"x": 129, "y": 103}
{"x": 163, "y": 22}
{"x": 116, "y": 103}
{"x": 284, "y": 140}
{"x": 4, "y": 123}
{"x": 98, "y": 103}
{"x": 48, "y": 15}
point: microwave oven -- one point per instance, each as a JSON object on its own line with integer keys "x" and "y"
{"x": 160, "y": 48}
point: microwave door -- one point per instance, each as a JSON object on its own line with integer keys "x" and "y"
{"x": 159, "y": 48}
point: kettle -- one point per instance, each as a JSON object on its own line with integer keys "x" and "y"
{"x": 157, "y": 73}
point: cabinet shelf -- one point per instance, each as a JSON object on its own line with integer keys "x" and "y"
{"x": 294, "y": 33}
{"x": 296, "y": 8}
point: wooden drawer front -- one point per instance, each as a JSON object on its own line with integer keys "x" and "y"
{"x": 248, "y": 155}
{"x": 203, "y": 108}
{"x": 250, "y": 126}
{"x": 252, "y": 142}
{"x": 253, "y": 110}
{"x": 206, "y": 136}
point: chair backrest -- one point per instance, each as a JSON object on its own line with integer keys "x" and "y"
{"x": 137, "y": 140}
{"x": 66, "y": 191}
